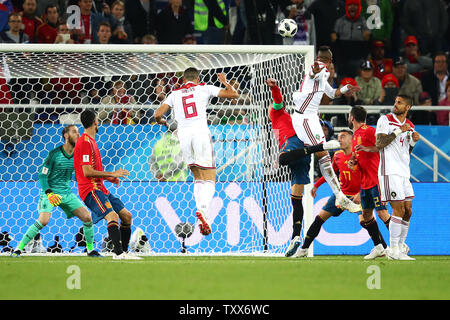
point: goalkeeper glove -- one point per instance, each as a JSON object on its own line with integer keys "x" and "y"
{"x": 54, "y": 199}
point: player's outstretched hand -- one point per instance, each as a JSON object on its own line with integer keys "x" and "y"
{"x": 317, "y": 67}
{"x": 271, "y": 82}
{"x": 121, "y": 173}
{"x": 222, "y": 78}
{"x": 415, "y": 136}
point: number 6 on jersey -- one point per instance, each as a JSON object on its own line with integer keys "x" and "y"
{"x": 190, "y": 110}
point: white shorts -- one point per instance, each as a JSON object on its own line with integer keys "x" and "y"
{"x": 308, "y": 128}
{"x": 197, "y": 147}
{"x": 395, "y": 188}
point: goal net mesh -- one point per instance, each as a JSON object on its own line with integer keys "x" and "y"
{"x": 42, "y": 92}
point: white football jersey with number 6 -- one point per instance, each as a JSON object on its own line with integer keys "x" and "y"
{"x": 189, "y": 104}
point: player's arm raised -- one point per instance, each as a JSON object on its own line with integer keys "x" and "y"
{"x": 348, "y": 88}
{"x": 229, "y": 92}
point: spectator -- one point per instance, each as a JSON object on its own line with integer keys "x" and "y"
{"x": 408, "y": 84}
{"x": 104, "y": 33}
{"x": 325, "y": 13}
{"x": 389, "y": 90}
{"x": 64, "y": 34}
{"x": 149, "y": 39}
{"x": 232, "y": 116}
{"x": 423, "y": 116}
{"x": 118, "y": 96}
{"x": 90, "y": 22}
{"x": 442, "y": 117}
{"x": 345, "y": 99}
{"x": 427, "y": 21}
{"x": 305, "y": 24}
{"x": 189, "y": 39}
{"x": 173, "y": 23}
{"x": 415, "y": 62}
{"x": 92, "y": 97}
{"x": 260, "y": 16}
{"x": 142, "y": 16}
{"x": 381, "y": 65}
{"x": 238, "y": 22}
{"x": 332, "y": 79}
{"x": 15, "y": 33}
{"x": 379, "y": 29}
{"x": 211, "y": 20}
{"x": 43, "y": 4}
{"x": 351, "y": 37}
{"x": 434, "y": 81}
{"x": 48, "y": 31}
{"x": 29, "y": 19}
{"x": 121, "y": 28}
{"x": 159, "y": 90}
{"x": 6, "y": 8}
{"x": 370, "y": 85}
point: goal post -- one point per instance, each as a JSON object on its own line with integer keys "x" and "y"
{"x": 45, "y": 87}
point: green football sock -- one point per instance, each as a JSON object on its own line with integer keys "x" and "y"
{"x": 88, "y": 230}
{"x": 32, "y": 231}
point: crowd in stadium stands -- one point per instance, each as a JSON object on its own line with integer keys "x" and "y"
{"x": 387, "y": 47}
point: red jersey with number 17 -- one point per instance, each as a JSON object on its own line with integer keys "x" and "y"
{"x": 367, "y": 161}
{"x": 87, "y": 153}
{"x": 350, "y": 180}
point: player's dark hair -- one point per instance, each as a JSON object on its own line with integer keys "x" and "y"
{"x": 324, "y": 52}
{"x": 359, "y": 113}
{"x": 408, "y": 99}
{"x": 191, "y": 74}
{"x": 66, "y": 130}
{"x": 87, "y": 118}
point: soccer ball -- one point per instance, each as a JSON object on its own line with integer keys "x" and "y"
{"x": 184, "y": 229}
{"x": 287, "y": 28}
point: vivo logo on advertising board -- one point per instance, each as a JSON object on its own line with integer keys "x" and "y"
{"x": 278, "y": 235}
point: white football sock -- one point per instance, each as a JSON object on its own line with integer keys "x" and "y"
{"x": 405, "y": 228}
{"x": 328, "y": 173}
{"x": 199, "y": 194}
{"x": 395, "y": 231}
{"x": 209, "y": 188}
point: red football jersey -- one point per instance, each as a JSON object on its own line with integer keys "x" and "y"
{"x": 367, "y": 161}
{"x": 350, "y": 180}
{"x": 281, "y": 125}
{"x": 87, "y": 153}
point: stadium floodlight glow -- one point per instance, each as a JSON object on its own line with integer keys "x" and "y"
{"x": 251, "y": 212}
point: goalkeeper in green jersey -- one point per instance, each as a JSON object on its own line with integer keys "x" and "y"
{"x": 55, "y": 176}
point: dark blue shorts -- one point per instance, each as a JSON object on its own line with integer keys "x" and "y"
{"x": 300, "y": 167}
{"x": 330, "y": 206}
{"x": 101, "y": 204}
{"x": 370, "y": 199}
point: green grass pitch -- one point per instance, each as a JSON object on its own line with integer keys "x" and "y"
{"x": 223, "y": 278}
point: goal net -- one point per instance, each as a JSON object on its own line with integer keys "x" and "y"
{"x": 44, "y": 88}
